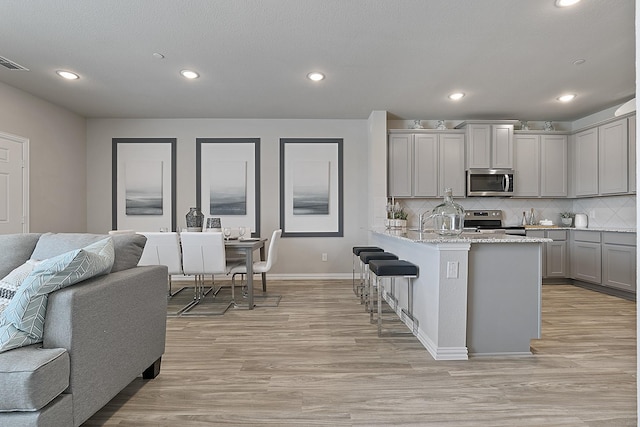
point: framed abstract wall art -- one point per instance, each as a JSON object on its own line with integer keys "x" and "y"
{"x": 228, "y": 181}
{"x": 143, "y": 184}
{"x": 311, "y": 182}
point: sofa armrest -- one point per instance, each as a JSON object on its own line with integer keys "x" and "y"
{"x": 113, "y": 327}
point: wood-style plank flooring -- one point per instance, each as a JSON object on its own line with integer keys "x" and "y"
{"x": 316, "y": 361}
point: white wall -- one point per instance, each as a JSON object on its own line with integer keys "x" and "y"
{"x": 57, "y": 155}
{"x": 298, "y": 256}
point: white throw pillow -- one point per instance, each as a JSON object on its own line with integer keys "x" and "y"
{"x": 22, "y": 322}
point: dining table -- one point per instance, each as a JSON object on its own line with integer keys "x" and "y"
{"x": 248, "y": 246}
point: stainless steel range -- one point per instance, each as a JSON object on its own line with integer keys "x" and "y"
{"x": 488, "y": 221}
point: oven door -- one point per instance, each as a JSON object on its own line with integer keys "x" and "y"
{"x": 490, "y": 182}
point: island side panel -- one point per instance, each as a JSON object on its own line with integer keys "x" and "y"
{"x": 504, "y": 298}
{"x": 439, "y": 302}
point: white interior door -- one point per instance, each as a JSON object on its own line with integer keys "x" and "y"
{"x": 14, "y": 185}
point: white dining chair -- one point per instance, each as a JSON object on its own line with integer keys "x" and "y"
{"x": 262, "y": 267}
{"x": 203, "y": 254}
{"x": 163, "y": 249}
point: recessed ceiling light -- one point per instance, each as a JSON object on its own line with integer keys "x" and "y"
{"x": 456, "y": 96}
{"x": 579, "y": 61}
{"x": 157, "y": 55}
{"x": 566, "y": 3}
{"x": 566, "y": 98}
{"x": 315, "y": 76}
{"x": 188, "y": 74}
{"x": 67, "y": 75}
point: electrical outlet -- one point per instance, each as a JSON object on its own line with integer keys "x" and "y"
{"x": 324, "y": 257}
{"x": 452, "y": 270}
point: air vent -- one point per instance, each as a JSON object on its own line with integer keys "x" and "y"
{"x": 6, "y": 63}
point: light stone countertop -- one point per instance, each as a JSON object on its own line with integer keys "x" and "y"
{"x": 473, "y": 238}
{"x": 609, "y": 229}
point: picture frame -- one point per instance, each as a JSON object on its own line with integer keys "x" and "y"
{"x": 143, "y": 187}
{"x": 311, "y": 187}
{"x": 228, "y": 181}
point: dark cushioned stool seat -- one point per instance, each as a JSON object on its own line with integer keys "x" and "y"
{"x": 388, "y": 267}
{"x": 358, "y": 249}
{"x": 366, "y": 257}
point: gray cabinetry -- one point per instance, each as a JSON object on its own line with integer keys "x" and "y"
{"x": 586, "y": 256}
{"x": 489, "y": 145}
{"x": 554, "y": 155}
{"x": 526, "y": 165}
{"x": 425, "y": 170}
{"x": 557, "y": 253}
{"x": 613, "y": 153}
{"x": 631, "y": 133}
{"x": 619, "y": 260}
{"x": 602, "y": 159}
{"x": 400, "y": 155}
{"x": 554, "y": 254}
{"x": 540, "y": 164}
{"x": 423, "y": 164}
{"x": 586, "y": 163}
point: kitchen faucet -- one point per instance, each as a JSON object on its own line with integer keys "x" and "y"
{"x": 422, "y": 218}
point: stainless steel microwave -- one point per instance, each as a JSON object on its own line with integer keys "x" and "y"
{"x": 490, "y": 182}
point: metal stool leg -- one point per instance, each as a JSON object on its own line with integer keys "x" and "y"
{"x": 408, "y": 312}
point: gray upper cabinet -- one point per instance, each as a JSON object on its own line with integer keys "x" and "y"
{"x": 602, "y": 159}
{"x": 527, "y": 165}
{"x": 400, "y": 168}
{"x": 423, "y": 164}
{"x": 451, "y": 164}
{"x": 554, "y": 155}
{"x": 586, "y": 163}
{"x": 631, "y": 133}
{"x": 613, "y": 160}
{"x": 489, "y": 145}
{"x": 425, "y": 169}
{"x": 540, "y": 165}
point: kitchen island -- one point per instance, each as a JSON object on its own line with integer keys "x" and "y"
{"x": 476, "y": 294}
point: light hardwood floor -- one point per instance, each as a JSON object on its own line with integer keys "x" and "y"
{"x": 316, "y": 361}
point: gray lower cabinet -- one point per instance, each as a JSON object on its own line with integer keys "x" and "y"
{"x": 619, "y": 260}
{"x": 555, "y": 255}
{"x": 586, "y": 256}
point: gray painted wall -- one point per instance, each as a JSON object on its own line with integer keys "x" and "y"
{"x": 298, "y": 255}
{"x": 57, "y": 159}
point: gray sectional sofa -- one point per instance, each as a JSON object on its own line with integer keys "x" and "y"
{"x": 99, "y": 334}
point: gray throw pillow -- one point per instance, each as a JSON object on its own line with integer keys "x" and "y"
{"x": 129, "y": 249}
{"x": 16, "y": 249}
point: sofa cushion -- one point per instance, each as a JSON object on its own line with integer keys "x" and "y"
{"x": 31, "y": 377}
{"x": 22, "y": 322}
{"x": 16, "y": 249}
{"x": 128, "y": 249}
{"x": 9, "y": 285}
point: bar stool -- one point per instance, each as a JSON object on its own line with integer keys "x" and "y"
{"x": 367, "y": 290}
{"x": 395, "y": 269}
{"x": 357, "y": 289}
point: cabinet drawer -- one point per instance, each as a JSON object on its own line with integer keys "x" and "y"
{"x": 628, "y": 239}
{"x": 557, "y": 234}
{"x": 586, "y": 236}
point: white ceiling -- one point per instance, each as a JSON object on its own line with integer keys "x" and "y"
{"x": 511, "y": 57}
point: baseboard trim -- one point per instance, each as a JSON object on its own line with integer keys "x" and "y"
{"x": 318, "y": 276}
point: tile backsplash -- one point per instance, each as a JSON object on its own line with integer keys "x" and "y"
{"x": 614, "y": 211}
